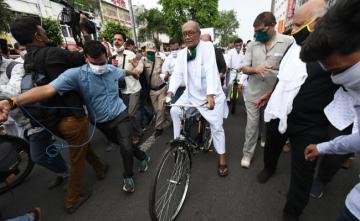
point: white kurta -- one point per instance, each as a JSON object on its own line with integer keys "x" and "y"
{"x": 201, "y": 78}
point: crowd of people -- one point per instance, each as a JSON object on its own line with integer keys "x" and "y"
{"x": 301, "y": 89}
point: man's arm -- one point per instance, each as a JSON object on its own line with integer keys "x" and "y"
{"x": 247, "y": 67}
{"x": 177, "y": 77}
{"x": 340, "y": 145}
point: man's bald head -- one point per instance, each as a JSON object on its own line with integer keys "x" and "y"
{"x": 191, "y": 33}
{"x": 191, "y": 25}
{"x": 206, "y": 37}
{"x": 309, "y": 11}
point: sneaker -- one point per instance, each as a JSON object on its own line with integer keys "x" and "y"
{"x": 144, "y": 164}
{"x": 245, "y": 161}
{"x": 264, "y": 175}
{"x": 37, "y": 213}
{"x": 129, "y": 185}
{"x": 317, "y": 189}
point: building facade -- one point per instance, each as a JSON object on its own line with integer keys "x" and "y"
{"x": 116, "y": 11}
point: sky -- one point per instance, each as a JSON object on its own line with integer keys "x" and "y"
{"x": 246, "y": 10}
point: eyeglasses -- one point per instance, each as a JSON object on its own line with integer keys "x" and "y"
{"x": 190, "y": 34}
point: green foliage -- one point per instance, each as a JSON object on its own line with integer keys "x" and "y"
{"x": 226, "y": 26}
{"x": 53, "y": 31}
{"x": 153, "y": 23}
{"x": 111, "y": 28}
{"x": 177, "y": 12}
{"x": 226, "y": 39}
{"x": 6, "y": 16}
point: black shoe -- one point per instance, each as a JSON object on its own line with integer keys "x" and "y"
{"x": 317, "y": 189}
{"x": 83, "y": 198}
{"x": 158, "y": 132}
{"x": 290, "y": 217}
{"x": 264, "y": 175}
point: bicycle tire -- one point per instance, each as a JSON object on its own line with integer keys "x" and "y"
{"x": 173, "y": 157}
{"x": 23, "y": 149}
{"x": 233, "y": 98}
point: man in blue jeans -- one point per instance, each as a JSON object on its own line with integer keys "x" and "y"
{"x": 97, "y": 83}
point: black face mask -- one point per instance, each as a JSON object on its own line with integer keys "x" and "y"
{"x": 301, "y": 35}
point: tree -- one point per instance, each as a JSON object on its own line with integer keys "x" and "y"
{"x": 53, "y": 31}
{"x": 5, "y": 16}
{"x": 153, "y": 24}
{"x": 226, "y": 26}
{"x": 177, "y": 12}
{"x": 111, "y": 28}
{"x": 226, "y": 39}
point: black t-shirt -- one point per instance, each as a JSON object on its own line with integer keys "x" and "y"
{"x": 52, "y": 61}
{"x": 314, "y": 95}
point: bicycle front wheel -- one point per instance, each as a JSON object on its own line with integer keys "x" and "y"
{"x": 171, "y": 183}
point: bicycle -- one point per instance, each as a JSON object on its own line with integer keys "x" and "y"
{"x": 169, "y": 189}
{"x": 15, "y": 152}
{"x": 234, "y": 92}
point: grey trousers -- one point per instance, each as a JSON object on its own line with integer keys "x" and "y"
{"x": 132, "y": 103}
{"x": 254, "y": 125}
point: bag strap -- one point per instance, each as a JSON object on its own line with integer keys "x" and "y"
{"x": 10, "y": 67}
{"x": 123, "y": 66}
{"x": 151, "y": 74}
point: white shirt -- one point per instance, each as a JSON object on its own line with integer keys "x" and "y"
{"x": 132, "y": 84}
{"x": 235, "y": 60}
{"x": 169, "y": 65}
{"x": 10, "y": 87}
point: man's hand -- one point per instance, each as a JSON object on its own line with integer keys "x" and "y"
{"x": 4, "y": 110}
{"x": 263, "y": 100}
{"x": 134, "y": 62}
{"x": 211, "y": 101}
{"x": 311, "y": 152}
{"x": 167, "y": 100}
{"x": 222, "y": 75}
{"x": 263, "y": 69}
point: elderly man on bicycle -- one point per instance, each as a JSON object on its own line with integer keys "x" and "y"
{"x": 196, "y": 67}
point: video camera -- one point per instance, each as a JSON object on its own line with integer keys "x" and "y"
{"x": 72, "y": 17}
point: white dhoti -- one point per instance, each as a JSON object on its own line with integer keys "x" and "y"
{"x": 214, "y": 117}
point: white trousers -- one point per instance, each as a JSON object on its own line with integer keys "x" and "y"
{"x": 214, "y": 117}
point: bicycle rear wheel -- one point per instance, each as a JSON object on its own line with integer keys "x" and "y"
{"x": 171, "y": 183}
{"x": 22, "y": 168}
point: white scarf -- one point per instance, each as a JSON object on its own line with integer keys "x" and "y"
{"x": 292, "y": 74}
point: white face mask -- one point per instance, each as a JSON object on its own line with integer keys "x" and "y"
{"x": 350, "y": 80}
{"x": 22, "y": 53}
{"x": 98, "y": 69}
{"x": 120, "y": 49}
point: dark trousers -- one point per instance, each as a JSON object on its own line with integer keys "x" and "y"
{"x": 346, "y": 215}
{"x": 302, "y": 171}
{"x": 118, "y": 131}
{"x": 145, "y": 108}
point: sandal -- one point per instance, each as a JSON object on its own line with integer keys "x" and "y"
{"x": 223, "y": 170}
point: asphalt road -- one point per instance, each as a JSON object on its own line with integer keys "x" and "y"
{"x": 236, "y": 197}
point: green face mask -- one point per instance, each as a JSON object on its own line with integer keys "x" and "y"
{"x": 262, "y": 36}
{"x": 150, "y": 56}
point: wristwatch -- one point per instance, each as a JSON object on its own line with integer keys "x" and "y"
{"x": 12, "y": 103}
